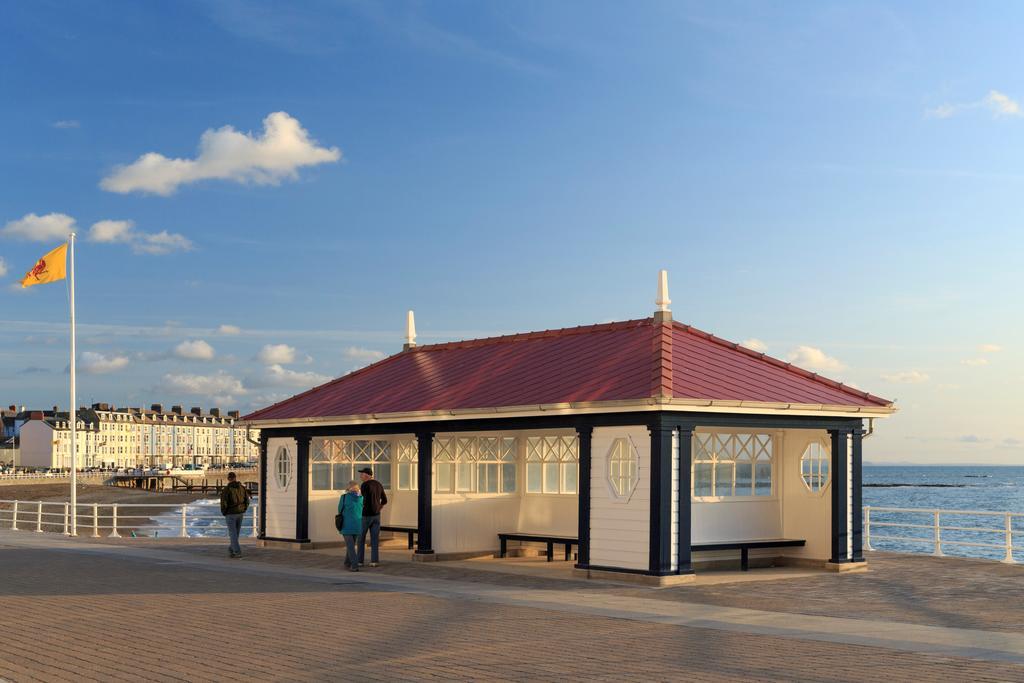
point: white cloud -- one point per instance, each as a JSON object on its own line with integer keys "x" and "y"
{"x": 66, "y": 123}
{"x": 220, "y": 385}
{"x": 810, "y": 358}
{"x": 124, "y": 232}
{"x": 111, "y": 231}
{"x": 162, "y": 242}
{"x": 3, "y": 267}
{"x": 227, "y": 154}
{"x": 277, "y": 376}
{"x": 975, "y": 362}
{"x": 360, "y": 355}
{"x": 229, "y": 329}
{"x": 1000, "y": 104}
{"x": 990, "y": 348}
{"x": 755, "y": 345}
{"x": 276, "y": 354}
{"x": 907, "y": 377}
{"x": 100, "y": 364}
{"x": 196, "y": 349}
{"x": 52, "y": 226}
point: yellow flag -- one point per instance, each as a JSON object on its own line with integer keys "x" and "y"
{"x": 50, "y": 268}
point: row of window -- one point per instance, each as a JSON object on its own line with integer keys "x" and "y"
{"x": 725, "y": 465}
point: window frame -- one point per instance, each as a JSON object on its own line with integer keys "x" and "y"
{"x": 283, "y": 467}
{"x": 466, "y": 455}
{"x": 622, "y": 452}
{"x": 731, "y": 440}
{"x": 825, "y": 450}
{"x": 339, "y": 453}
{"x": 551, "y": 453}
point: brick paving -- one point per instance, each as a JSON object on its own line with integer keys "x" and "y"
{"x": 75, "y": 616}
{"x": 914, "y": 589}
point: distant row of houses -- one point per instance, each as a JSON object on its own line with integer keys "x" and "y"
{"x": 109, "y": 436}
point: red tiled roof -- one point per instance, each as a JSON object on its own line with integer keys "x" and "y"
{"x": 636, "y": 359}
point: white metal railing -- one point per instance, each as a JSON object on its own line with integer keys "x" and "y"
{"x": 50, "y": 475}
{"x": 114, "y": 520}
{"x": 969, "y": 529}
{"x": 111, "y": 473}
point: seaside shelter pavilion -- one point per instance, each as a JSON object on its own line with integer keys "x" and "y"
{"x": 654, "y": 446}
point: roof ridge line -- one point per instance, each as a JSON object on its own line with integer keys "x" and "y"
{"x": 690, "y": 329}
{"x": 536, "y": 334}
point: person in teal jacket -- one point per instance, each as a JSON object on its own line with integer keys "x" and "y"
{"x": 350, "y": 507}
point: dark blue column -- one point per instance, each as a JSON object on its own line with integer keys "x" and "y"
{"x": 840, "y": 440}
{"x": 684, "y": 565}
{"x": 263, "y": 485}
{"x": 661, "y": 499}
{"x": 585, "y": 436}
{"x": 425, "y": 490}
{"x": 302, "y": 488}
{"x": 857, "y": 521}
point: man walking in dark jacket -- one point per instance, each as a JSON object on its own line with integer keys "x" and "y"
{"x": 374, "y": 499}
{"x": 234, "y": 501}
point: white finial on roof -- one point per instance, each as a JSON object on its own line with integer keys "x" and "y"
{"x": 662, "y": 302}
{"x": 410, "y": 331}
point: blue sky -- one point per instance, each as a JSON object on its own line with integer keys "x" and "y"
{"x": 841, "y": 182}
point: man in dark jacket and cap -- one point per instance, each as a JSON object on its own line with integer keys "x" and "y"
{"x": 374, "y": 499}
{"x": 234, "y": 501}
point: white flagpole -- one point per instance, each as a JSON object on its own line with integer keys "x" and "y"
{"x": 73, "y": 412}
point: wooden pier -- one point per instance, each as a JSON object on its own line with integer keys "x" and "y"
{"x": 177, "y": 483}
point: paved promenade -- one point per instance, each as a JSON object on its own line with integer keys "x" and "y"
{"x": 77, "y": 609}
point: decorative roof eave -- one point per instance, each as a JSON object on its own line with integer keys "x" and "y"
{"x": 585, "y": 408}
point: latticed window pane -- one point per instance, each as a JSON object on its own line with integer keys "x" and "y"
{"x": 487, "y": 478}
{"x": 508, "y": 477}
{"x": 382, "y": 473}
{"x": 814, "y": 466}
{"x": 342, "y": 475}
{"x": 622, "y": 467}
{"x": 732, "y": 464}
{"x": 444, "y": 477}
{"x": 551, "y": 477}
{"x": 553, "y": 452}
{"x": 464, "y": 478}
{"x": 744, "y": 478}
{"x": 762, "y": 478}
{"x": 702, "y": 479}
{"x": 507, "y": 449}
{"x": 570, "y": 470}
{"x": 533, "y": 477}
{"x": 724, "y": 473}
{"x": 320, "y": 479}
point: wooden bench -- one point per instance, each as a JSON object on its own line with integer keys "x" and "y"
{"x": 745, "y": 546}
{"x": 411, "y": 530}
{"x": 567, "y": 541}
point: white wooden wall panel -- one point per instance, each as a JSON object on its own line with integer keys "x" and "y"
{"x": 281, "y": 502}
{"x": 805, "y": 514}
{"x": 620, "y": 528}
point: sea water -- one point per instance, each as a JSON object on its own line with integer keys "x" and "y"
{"x": 974, "y": 488}
{"x": 202, "y": 520}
